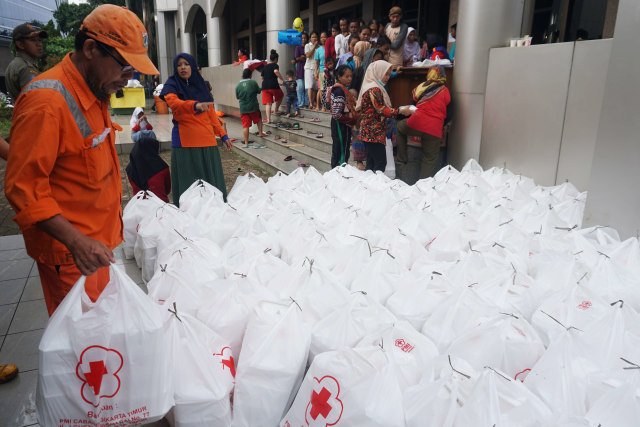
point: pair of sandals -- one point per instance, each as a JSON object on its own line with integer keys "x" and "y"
{"x": 300, "y": 164}
{"x": 283, "y": 125}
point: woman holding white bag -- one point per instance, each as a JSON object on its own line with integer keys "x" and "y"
{"x": 375, "y": 107}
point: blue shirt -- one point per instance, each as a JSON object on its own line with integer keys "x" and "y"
{"x": 319, "y": 56}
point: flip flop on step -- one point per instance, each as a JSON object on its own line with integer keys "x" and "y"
{"x": 315, "y": 119}
{"x": 303, "y": 164}
{"x": 258, "y": 146}
{"x": 288, "y": 158}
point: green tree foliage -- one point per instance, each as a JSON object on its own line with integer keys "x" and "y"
{"x": 55, "y": 48}
{"x": 70, "y": 16}
{"x": 49, "y": 27}
{"x": 96, "y": 3}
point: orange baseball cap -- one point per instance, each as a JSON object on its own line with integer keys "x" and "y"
{"x": 120, "y": 28}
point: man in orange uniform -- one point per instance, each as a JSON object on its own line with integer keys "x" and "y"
{"x": 63, "y": 175}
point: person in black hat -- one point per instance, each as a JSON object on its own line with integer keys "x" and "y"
{"x": 28, "y": 41}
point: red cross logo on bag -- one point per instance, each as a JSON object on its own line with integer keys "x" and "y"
{"x": 520, "y": 376}
{"x": 98, "y": 369}
{"x": 226, "y": 359}
{"x": 404, "y": 346}
{"x": 325, "y": 407}
{"x": 584, "y": 305}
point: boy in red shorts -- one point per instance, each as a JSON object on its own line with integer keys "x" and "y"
{"x": 247, "y": 91}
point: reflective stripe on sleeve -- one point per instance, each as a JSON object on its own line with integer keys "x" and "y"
{"x": 56, "y": 85}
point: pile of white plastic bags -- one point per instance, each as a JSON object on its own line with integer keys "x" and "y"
{"x": 471, "y": 298}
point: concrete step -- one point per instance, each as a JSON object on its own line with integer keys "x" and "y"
{"x": 271, "y": 160}
{"x": 314, "y": 151}
{"x": 309, "y": 114}
{"x": 306, "y": 124}
{"x": 303, "y": 137}
{"x": 300, "y": 153}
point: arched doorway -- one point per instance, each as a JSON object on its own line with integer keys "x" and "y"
{"x": 196, "y": 29}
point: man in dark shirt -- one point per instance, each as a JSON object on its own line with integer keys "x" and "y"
{"x": 28, "y": 41}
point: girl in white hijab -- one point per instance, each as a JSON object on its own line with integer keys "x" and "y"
{"x": 140, "y": 126}
{"x": 374, "y": 105}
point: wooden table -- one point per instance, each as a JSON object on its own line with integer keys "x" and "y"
{"x": 400, "y": 87}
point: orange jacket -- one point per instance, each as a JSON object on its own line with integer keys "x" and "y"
{"x": 195, "y": 130}
{"x": 63, "y": 162}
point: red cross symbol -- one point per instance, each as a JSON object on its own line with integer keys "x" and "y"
{"x": 325, "y": 407}
{"x": 320, "y": 403}
{"x": 584, "y": 305}
{"x": 98, "y": 369}
{"x": 94, "y": 376}
{"x": 229, "y": 364}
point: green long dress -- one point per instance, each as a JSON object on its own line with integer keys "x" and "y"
{"x": 189, "y": 164}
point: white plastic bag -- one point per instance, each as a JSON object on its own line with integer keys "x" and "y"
{"x": 408, "y": 349}
{"x": 271, "y": 366}
{"x": 620, "y": 406}
{"x": 442, "y": 391}
{"x": 497, "y": 400}
{"x": 201, "y": 200}
{"x": 348, "y": 387}
{"x": 157, "y": 231}
{"x": 104, "y": 363}
{"x": 203, "y": 369}
{"x": 506, "y": 342}
{"x": 349, "y": 323}
{"x": 227, "y": 309}
{"x": 390, "y": 170}
{"x": 143, "y": 204}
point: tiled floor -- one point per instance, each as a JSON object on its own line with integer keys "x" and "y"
{"x": 23, "y": 318}
{"x": 161, "y": 126}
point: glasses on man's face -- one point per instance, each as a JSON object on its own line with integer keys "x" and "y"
{"x": 126, "y": 68}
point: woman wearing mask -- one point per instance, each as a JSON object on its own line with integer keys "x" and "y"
{"x": 375, "y": 108}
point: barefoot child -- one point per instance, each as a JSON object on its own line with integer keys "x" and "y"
{"x": 343, "y": 116}
{"x": 246, "y": 92}
{"x": 291, "y": 88}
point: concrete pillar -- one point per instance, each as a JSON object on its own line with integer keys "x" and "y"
{"x": 214, "y": 39}
{"x": 314, "y": 22}
{"x": 225, "y": 42}
{"x": 367, "y": 11}
{"x": 280, "y": 16}
{"x": 161, "y": 36}
{"x": 185, "y": 37}
{"x": 614, "y": 198}
{"x": 253, "y": 47}
{"x": 527, "y": 17}
{"x": 481, "y": 26}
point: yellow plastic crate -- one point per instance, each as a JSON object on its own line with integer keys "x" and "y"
{"x": 133, "y": 97}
